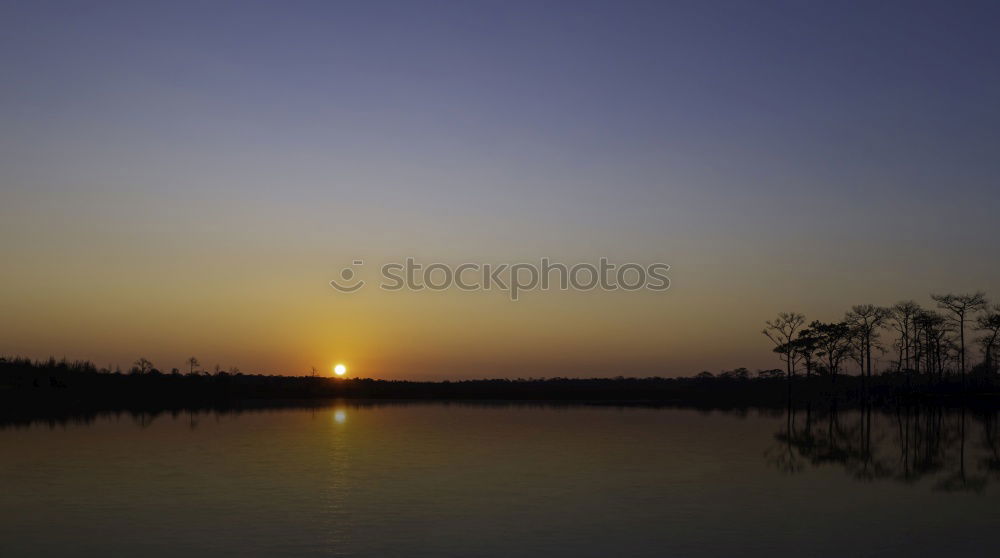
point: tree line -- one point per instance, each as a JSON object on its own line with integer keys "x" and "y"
{"x": 920, "y": 342}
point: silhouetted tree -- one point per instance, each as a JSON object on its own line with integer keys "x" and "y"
{"x": 866, "y": 320}
{"x": 901, "y": 319}
{"x": 781, "y": 331}
{"x": 192, "y": 363}
{"x": 961, "y": 306}
{"x": 806, "y": 345}
{"x": 737, "y": 374}
{"x": 833, "y": 344}
{"x": 932, "y": 334}
{"x": 142, "y": 366}
{"x": 990, "y": 323}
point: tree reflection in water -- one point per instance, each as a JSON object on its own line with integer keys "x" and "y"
{"x": 951, "y": 449}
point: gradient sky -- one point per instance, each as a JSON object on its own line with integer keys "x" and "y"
{"x": 184, "y": 178}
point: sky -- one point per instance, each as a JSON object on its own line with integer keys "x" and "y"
{"x": 185, "y": 178}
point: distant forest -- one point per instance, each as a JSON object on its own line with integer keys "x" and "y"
{"x": 899, "y": 352}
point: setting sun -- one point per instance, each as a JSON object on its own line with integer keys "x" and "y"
{"x": 340, "y": 370}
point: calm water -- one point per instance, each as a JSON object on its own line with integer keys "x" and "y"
{"x": 461, "y": 480}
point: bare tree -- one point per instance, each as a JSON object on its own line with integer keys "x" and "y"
{"x": 902, "y": 315}
{"x": 143, "y": 365}
{"x": 990, "y": 323}
{"x": 865, "y": 320}
{"x": 961, "y": 307}
{"x": 781, "y": 331}
{"x": 932, "y": 334}
{"x": 192, "y": 363}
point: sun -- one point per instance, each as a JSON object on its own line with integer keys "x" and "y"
{"x": 340, "y": 370}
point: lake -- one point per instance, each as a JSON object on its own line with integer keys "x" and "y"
{"x": 456, "y": 479}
